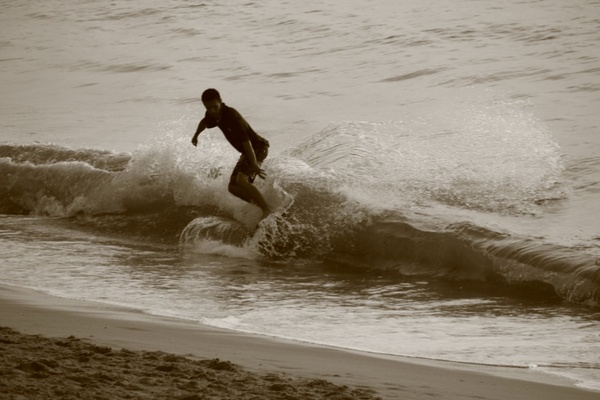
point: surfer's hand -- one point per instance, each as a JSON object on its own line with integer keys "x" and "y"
{"x": 195, "y": 140}
{"x": 260, "y": 172}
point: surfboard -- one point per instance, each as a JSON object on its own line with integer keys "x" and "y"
{"x": 236, "y": 231}
{"x": 215, "y": 228}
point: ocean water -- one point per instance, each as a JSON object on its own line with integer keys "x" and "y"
{"x": 436, "y": 170}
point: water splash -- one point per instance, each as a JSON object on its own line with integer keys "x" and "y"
{"x": 492, "y": 157}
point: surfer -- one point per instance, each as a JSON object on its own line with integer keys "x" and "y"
{"x": 241, "y": 136}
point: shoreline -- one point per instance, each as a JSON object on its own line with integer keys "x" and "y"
{"x": 390, "y": 377}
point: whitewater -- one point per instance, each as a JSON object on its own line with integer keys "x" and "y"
{"x": 435, "y": 171}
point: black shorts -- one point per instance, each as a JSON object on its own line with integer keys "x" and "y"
{"x": 243, "y": 165}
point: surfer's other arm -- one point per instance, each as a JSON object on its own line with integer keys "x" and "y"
{"x": 201, "y": 126}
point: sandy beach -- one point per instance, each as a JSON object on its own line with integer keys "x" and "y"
{"x": 57, "y": 348}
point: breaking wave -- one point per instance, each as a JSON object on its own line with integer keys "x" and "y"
{"x": 363, "y": 195}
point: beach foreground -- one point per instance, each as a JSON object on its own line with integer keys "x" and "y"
{"x": 89, "y": 350}
{"x": 38, "y": 367}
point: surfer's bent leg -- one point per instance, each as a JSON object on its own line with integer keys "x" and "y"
{"x": 241, "y": 183}
{"x": 245, "y": 190}
{"x": 238, "y": 191}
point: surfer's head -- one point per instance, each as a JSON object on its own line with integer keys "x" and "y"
{"x": 212, "y": 101}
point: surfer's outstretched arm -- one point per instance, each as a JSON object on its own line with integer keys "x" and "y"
{"x": 201, "y": 127}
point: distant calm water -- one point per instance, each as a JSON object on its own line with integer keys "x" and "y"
{"x": 437, "y": 170}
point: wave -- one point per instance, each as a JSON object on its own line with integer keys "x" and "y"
{"x": 363, "y": 195}
{"x": 464, "y": 251}
{"x": 344, "y": 235}
{"x": 52, "y": 154}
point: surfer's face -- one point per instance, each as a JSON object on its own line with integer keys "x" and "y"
{"x": 214, "y": 108}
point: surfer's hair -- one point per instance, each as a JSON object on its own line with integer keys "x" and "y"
{"x": 210, "y": 95}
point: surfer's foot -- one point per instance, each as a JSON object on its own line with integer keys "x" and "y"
{"x": 266, "y": 212}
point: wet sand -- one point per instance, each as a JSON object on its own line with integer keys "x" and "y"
{"x": 58, "y": 348}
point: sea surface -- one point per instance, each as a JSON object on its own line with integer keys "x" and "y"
{"x": 434, "y": 166}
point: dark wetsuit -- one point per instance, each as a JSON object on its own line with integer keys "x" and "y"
{"x": 237, "y": 131}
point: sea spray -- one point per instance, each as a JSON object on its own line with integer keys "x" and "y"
{"x": 477, "y": 154}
